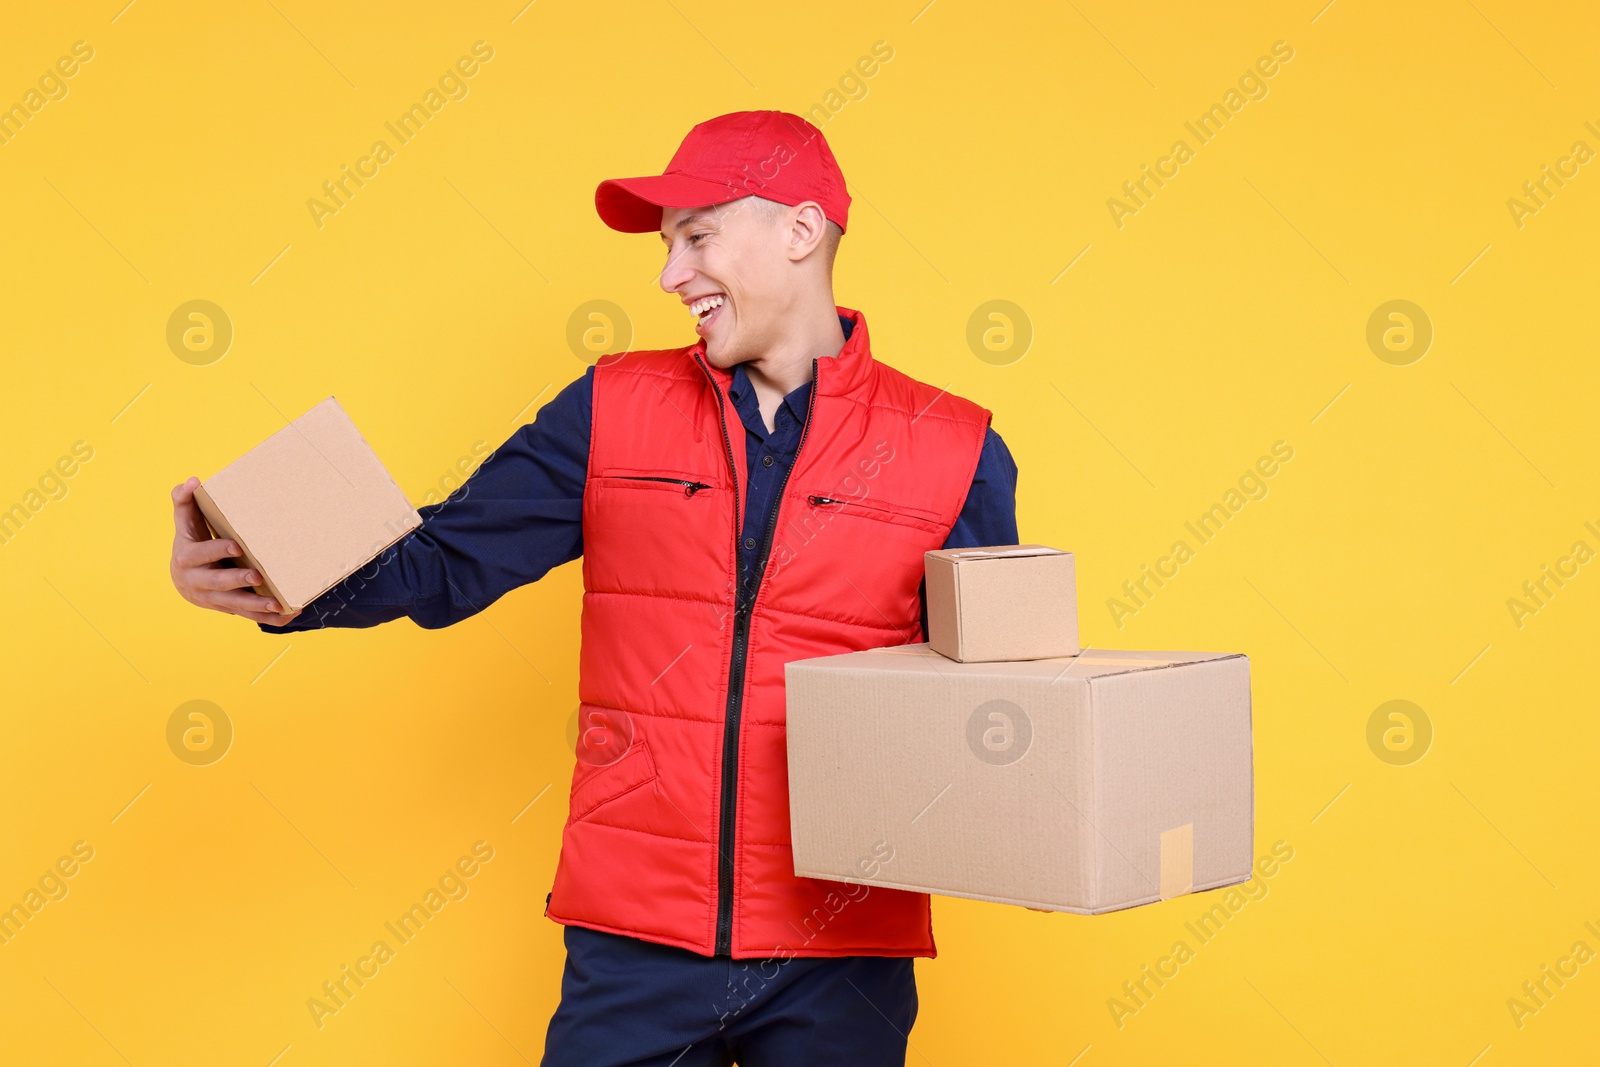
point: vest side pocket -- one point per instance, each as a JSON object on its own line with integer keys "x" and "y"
{"x": 604, "y": 784}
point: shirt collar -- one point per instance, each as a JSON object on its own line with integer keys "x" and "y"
{"x": 744, "y": 402}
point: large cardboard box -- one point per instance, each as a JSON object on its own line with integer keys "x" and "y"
{"x": 1002, "y": 602}
{"x": 1084, "y": 784}
{"x": 310, "y": 506}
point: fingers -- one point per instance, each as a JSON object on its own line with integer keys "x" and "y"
{"x": 198, "y": 570}
{"x": 240, "y": 602}
{"x": 220, "y": 578}
{"x": 271, "y": 618}
{"x": 200, "y": 553}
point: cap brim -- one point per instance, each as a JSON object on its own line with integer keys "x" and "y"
{"x": 633, "y": 205}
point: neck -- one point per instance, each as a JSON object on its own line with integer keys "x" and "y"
{"x": 813, "y": 332}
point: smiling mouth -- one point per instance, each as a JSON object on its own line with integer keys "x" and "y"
{"x": 706, "y": 309}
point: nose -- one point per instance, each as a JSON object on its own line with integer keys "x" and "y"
{"x": 675, "y": 275}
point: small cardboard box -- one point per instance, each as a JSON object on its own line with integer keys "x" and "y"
{"x": 309, "y": 506}
{"x": 1003, "y": 602}
{"x": 1085, "y": 784}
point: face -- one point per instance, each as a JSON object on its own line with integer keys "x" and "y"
{"x": 733, "y": 254}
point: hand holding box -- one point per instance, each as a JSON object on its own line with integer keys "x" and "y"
{"x": 310, "y": 506}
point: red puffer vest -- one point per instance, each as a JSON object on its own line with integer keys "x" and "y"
{"x": 678, "y": 831}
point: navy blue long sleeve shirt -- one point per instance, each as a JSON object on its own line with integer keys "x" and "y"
{"x": 520, "y": 514}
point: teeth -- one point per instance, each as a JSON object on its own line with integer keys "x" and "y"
{"x": 700, "y": 307}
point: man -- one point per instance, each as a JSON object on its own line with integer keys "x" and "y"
{"x": 763, "y": 495}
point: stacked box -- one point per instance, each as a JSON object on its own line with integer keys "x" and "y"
{"x": 1085, "y": 782}
{"x": 1001, "y": 603}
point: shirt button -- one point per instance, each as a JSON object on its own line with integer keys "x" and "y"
{"x": 749, "y": 542}
{"x": 766, "y": 461}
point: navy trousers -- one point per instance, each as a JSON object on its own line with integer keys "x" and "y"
{"x": 632, "y": 1003}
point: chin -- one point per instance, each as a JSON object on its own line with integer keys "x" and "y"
{"x": 718, "y": 356}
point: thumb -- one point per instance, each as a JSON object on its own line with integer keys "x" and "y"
{"x": 188, "y": 522}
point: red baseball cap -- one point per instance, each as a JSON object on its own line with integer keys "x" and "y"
{"x": 771, "y": 154}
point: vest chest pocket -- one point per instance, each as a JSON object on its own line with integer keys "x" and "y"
{"x": 823, "y": 503}
{"x": 681, "y": 482}
{"x": 661, "y": 530}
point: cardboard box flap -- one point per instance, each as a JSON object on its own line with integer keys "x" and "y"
{"x": 960, "y": 555}
{"x": 1093, "y": 663}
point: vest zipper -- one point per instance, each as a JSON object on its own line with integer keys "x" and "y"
{"x": 741, "y": 642}
{"x": 689, "y": 488}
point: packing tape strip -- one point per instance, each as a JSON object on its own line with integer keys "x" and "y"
{"x": 1177, "y": 861}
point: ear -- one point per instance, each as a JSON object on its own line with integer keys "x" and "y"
{"x": 806, "y": 230}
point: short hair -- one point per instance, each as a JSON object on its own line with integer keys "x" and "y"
{"x": 831, "y": 233}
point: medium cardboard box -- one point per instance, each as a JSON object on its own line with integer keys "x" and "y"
{"x": 310, "y": 506}
{"x": 1086, "y": 784}
{"x": 1002, "y": 602}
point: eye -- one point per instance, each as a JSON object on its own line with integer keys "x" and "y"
{"x": 693, "y": 237}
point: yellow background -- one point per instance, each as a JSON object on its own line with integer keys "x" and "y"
{"x": 1229, "y": 313}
